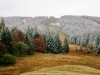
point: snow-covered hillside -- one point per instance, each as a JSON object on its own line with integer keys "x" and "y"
{"x": 70, "y": 25}
{"x": 80, "y": 30}
{"x": 22, "y": 23}
{"x": 76, "y": 25}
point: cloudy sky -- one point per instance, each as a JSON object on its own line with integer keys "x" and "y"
{"x": 55, "y": 8}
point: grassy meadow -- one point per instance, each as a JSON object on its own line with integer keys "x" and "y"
{"x": 47, "y": 60}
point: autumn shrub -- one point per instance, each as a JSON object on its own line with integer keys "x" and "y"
{"x": 7, "y": 59}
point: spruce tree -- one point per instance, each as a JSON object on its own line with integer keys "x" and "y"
{"x": 65, "y": 46}
{"x": 50, "y": 44}
{"x": 31, "y": 46}
{"x": 95, "y": 45}
{"x": 26, "y": 40}
{"x": 31, "y": 32}
{"x": 7, "y": 40}
{"x": 57, "y": 45}
{"x": 31, "y": 49}
{"x": 99, "y": 48}
{"x": 2, "y": 23}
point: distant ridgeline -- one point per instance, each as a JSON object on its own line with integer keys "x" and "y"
{"x": 82, "y": 30}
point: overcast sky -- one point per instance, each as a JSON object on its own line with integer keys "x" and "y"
{"x": 55, "y": 8}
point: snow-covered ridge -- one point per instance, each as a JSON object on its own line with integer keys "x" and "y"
{"x": 76, "y": 25}
{"x": 70, "y": 25}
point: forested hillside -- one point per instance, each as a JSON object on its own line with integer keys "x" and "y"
{"x": 82, "y": 30}
{"x": 30, "y": 44}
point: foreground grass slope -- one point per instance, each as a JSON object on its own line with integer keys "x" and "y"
{"x": 66, "y": 70}
{"x": 41, "y": 60}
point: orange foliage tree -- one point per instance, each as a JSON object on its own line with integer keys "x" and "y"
{"x": 18, "y": 36}
{"x": 39, "y": 43}
{"x": 0, "y": 27}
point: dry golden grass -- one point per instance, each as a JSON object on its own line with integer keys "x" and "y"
{"x": 65, "y": 70}
{"x": 41, "y": 60}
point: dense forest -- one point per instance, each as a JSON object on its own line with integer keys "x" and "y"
{"x": 25, "y": 35}
{"x": 15, "y": 42}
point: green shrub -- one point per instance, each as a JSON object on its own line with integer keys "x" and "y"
{"x": 22, "y": 48}
{"x": 8, "y": 59}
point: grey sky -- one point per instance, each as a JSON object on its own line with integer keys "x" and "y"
{"x": 55, "y": 8}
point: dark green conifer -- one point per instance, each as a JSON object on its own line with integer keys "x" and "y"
{"x": 50, "y": 44}
{"x": 7, "y": 40}
{"x": 2, "y": 23}
{"x": 57, "y": 45}
{"x": 65, "y": 46}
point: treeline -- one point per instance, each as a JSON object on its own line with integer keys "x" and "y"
{"x": 83, "y": 31}
{"x": 14, "y": 42}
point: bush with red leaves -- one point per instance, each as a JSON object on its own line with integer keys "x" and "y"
{"x": 39, "y": 43}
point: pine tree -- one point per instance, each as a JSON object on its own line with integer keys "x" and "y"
{"x": 57, "y": 45}
{"x": 26, "y": 40}
{"x": 7, "y": 40}
{"x": 50, "y": 44}
{"x": 31, "y": 32}
{"x": 2, "y": 23}
{"x": 65, "y": 46}
{"x": 31, "y": 46}
{"x": 31, "y": 49}
{"x": 96, "y": 49}
{"x": 99, "y": 48}
{"x": 13, "y": 29}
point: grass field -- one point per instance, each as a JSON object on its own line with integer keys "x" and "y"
{"x": 65, "y": 70}
{"x": 47, "y": 61}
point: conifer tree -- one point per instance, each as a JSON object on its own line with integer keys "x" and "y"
{"x": 57, "y": 45}
{"x": 26, "y": 40}
{"x": 96, "y": 45}
{"x": 50, "y": 44}
{"x": 65, "y": 46}
{"x": 31, "y": 49}
{"x": 31, "y": 46}
{"x": 2, "y": 23}
{"x": 7, "y": 40}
